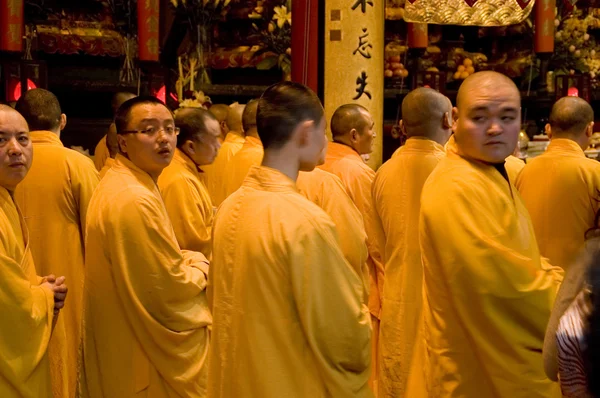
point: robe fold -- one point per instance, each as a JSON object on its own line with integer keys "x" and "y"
{"x": 561, "y": 190}
{"x": 487, "y": 291}
{"x": 146, "y": 318}
{"x": 54, "y": 198}
{"x": 188, "y": 204}
{"x": 107, "y": 165}
{"x": 397, "y": 196}
{"x": 215, "y": 174}
{"x": 27, "y": 312}
{"x": 236, "y": 170}
{"x": 289, "y": 317}
{"x": 101, "y": 153}
{"x": 327, "y": 191}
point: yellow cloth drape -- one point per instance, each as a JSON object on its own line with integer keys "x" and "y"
{"x": 146, "y": 317}
{"x": 326, "y": 191}
{"x": 107, "y": 165}
{"x": 101, "y": 154}
{"x": 188, "y": 204}
{"x": 54, "y": 198}
{"x": 397, "y": 197}
{"x": 487, "y": 292}
{"x": 214, "y": 176}
{"x": 27, "y": 312}
{"x": 513, "y": 166}
{"x": 289, "y": 320}
{"x": 561, "y": 190}
{"x": 236, "y": 170}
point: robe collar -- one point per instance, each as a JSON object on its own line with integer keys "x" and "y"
{"x": 45, "y": 137}
{"x": 234, "y": 138}
{"x": 337, "y": 150}
{"x": 268, "y": 179}
{"x": 185, "y": 161}
{"x": 423, "y": 144}
{"x": 125, "y": 166}
{"x": 565, "y": 146}
{"x": 252, "y": 142}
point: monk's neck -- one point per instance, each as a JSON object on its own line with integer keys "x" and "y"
{"x": 282, "y": 161}
{"x": 345, "y": 142}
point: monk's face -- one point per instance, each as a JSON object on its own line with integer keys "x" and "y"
{"x": 16, "y": 150}
{"x": 150, "y": 138}
{"x": 487, "y": 125}
{"x": 363, "y": 143}
{"x": 207, "y": 145}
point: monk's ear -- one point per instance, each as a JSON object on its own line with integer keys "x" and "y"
{"x": 548, "y": 130}
{"x": 303, "y": 133}
{"x": 63, "y": 121}
{"x": 590, "y": 129}
{"x": 402, "y": 127}
{"x": 454, "y": 118}
{"x": 122, "y": 143}
{"x": 224, "y": 126}
{"x": 190, "y": 147}
{"x": 446, "y": 121}
{"x": 354, "y": 136}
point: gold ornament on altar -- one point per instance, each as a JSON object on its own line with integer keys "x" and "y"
{"x": 468, "y": 12}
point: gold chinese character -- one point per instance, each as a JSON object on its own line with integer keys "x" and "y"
{"x": 152, "y": 46}
{"x": 14, "y": 33}
{"x": 152, "y": 23}
{"x": 15, "y": 7}
{"x": 152, "y": 5}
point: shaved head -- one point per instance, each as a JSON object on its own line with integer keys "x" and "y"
{"x": 41, "y": 109}
{"x": 346, "y": 118}
{"x": 486, "y": 80}
{"x": 220, "y": 111}
{"x": 570, "y": 116}
{"x": 118, "y": 100}
{"x": 425, "y": 112}
{"x": 249, "y": 115}
{"x": 234, "y": 117}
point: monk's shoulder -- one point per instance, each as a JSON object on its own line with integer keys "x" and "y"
{"x": 453, "y": 179}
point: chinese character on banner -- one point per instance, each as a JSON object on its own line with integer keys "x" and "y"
{"x": 15, "y": 7}
{"x": 152, "y": 23}
{"x": 361, "y": 81}
{"x": 363, "y": 45}
{"x": 152, "y": 45}
{"x": 363, "y": 5}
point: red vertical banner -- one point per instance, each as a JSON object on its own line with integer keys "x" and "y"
{"x": 544, "y": 26}
{"x": 11, "y": 25}
{"x": 417, "y": 35}
{"x": 148, "y": 29}
{"x": 305, "y": 43}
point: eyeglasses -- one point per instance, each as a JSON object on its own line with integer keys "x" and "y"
{"x": 152, "y": 131}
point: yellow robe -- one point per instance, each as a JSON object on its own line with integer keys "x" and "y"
{"x": 250, "y": 155}
{"x": 109, "y": 163}
{"x": 487, "y": 292}
{"x": 397, "y": 197}
{"x": 289, "y": 320}
{"x": 561, "y": 190}
{"x": 27, "y": 312}
{"x": 513, "y": 166}
{"x": 188, "y": 204}
{"x": 326, "y": 191}
{"x": 54, "y": 198}
{"x": 145, "y": 330}
{"x": 101, "y": 154}
{"x": 214, "y": 175}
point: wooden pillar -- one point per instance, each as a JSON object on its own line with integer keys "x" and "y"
{"x": 354, "y": 62}
{"x": 11, "y": 25}
{"x": 305, "y": 43}
{"x": 148, "y": 29}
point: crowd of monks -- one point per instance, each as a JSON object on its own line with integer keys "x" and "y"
{"x": 235, "y": 252}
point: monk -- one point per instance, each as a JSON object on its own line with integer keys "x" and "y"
{"x": 215, "y": 174}
{"x": 561, "y": 187}
{"x": 250, "y": 155}
{"x": 186, "y": 198}
{"x": 54, "y": 198}
{"x": 30, "y": 305}
{"x": 108, "y": 147}
{"x": 487, "y": 291}
{"x": 146, "y": 318}
{"x": 289, "y": 320}
{"x": 426, "y": 122}
{"x": 221, "y": 113}
{"x": 353, "y": 133}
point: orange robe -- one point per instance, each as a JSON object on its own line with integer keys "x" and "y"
{"x": 101, "y": 154}
{"x": 513, "y": 166}
{"x": 326, "y": 191}
{"x": 289, "y": 320}
{"x": 27, "y": 311}
{"x": 54, "y": 198}
{"x": 561, "y": 190}
{"x": 214, "y": 176}
{"x": 397, "y": 197}
{"x": 487, "y": 292}
{"x": 250, "y": 155}
{"x": 146, "y": 317}
{"x": 188, "y": 204}
{"x": 109, "y": 163}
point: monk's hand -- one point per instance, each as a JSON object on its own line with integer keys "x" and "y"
{"x": 60, "y": 293}
{"x": 50, "y": 279}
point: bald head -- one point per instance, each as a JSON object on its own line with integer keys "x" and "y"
{"x": 41, "y": 109}
{"x": 484, "y": 81}
{"x": 234, "y": 117}
{"x": 249, "y": 116}
{"x": 13, "y": 116}
{"x": 570, "y": 117}
{"x": 346, "y": 118}
{"x": 118, "y": 100}
{"x": 220, "y": 111}
{"x": 427, "y": 113}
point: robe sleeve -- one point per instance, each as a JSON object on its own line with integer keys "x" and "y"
{"x": 336, "y": 323}
{"x": 84, "y": 179}
{"x": 161, "y": 284}
{"x": 184, "y": 206}
{"x": 27, "y": 315}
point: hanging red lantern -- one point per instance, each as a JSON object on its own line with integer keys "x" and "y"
{"x": 148, "y": 29}
{"x": 14, "y": 89}
{"x": 544, "y": 26}
{"x": 11, "y": 25}
{"x": 417, "y": 35}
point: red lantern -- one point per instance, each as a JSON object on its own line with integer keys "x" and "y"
{"x": 417, "y": 35}
{"x": 11, "y": 25}
{"x": 148, "y": 29}
{"x": 161, "y": 94}
{"x": 14, "y": 89}
{"x": 544, "y": 26}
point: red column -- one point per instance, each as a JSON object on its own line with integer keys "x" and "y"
{"x": 417, "y": 35}
{"x": 148, "y": 29}
{"x": 305, "y": 43}
{"x": 544, "y": 26}
{"x": 11, "y": 25}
